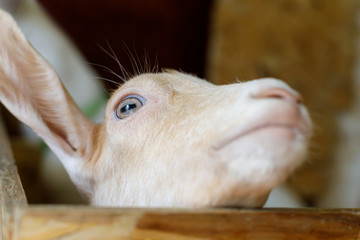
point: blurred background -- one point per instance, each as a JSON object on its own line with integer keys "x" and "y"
{"x": 311, "y": 44}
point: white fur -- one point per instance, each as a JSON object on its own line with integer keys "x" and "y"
{"x": 192, "y": 144}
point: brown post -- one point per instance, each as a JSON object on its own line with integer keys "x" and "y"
{"x": 12, "y": 194}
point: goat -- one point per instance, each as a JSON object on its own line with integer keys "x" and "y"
{"x": 168, "y": 139}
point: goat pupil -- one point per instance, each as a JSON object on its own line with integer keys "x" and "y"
{"x": 128, "y": 107}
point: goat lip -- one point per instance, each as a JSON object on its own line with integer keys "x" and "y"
{"x": 281, "y": 126}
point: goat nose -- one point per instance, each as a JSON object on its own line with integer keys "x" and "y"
{"x": 280, "y": 93}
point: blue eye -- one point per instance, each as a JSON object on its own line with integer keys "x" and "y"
{"x": 128, "y": 106}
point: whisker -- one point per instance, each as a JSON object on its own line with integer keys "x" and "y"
{"x": 138, "y": 61}
{"x": 104, "y": 88}
{"x": 113, "y": 56}
{"x": 147, "y": 66}
{"x": 109, "y": 70}
{"x": 146, "y": 62}
{"x": 108, "y": 80}
{"x": 156, "y": 64}
{"x": 137, "y": 67}
{"x": 132, "y": 60}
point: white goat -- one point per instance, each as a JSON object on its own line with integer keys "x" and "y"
{"x": 168, "y": 139}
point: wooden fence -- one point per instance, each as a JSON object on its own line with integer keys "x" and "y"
{"x": 19, "y": 220}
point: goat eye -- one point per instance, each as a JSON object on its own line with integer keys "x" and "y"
{"x": 128, "y": 106}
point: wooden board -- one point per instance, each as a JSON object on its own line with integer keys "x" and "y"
{"x": 95, "y": 223}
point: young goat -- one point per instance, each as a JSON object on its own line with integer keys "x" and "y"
{"x": 168, "y": 139}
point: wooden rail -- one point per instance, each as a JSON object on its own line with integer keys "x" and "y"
{"x": 92, "y": 223}
{"x": 24, "y": 222}
{"x": 12, "y": 194}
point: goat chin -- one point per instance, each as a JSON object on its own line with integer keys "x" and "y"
{"x": 168, "y": 139}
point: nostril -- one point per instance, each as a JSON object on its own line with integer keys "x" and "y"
{"x": 279, "y": 93}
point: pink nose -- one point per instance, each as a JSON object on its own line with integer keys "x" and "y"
{"x": 279, "y": 93}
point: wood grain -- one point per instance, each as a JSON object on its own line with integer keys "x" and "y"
{"x": 11, "y": 192}
{"x": 95, "y": 223}
{"x": 4, "y": 142}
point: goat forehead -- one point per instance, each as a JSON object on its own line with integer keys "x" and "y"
{"x": 167, "y": 81}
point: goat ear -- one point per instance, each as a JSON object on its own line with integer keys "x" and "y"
{"x": 31, "y": 90}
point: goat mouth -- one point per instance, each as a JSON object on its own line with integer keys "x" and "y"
{"x": 275, "y": 128}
